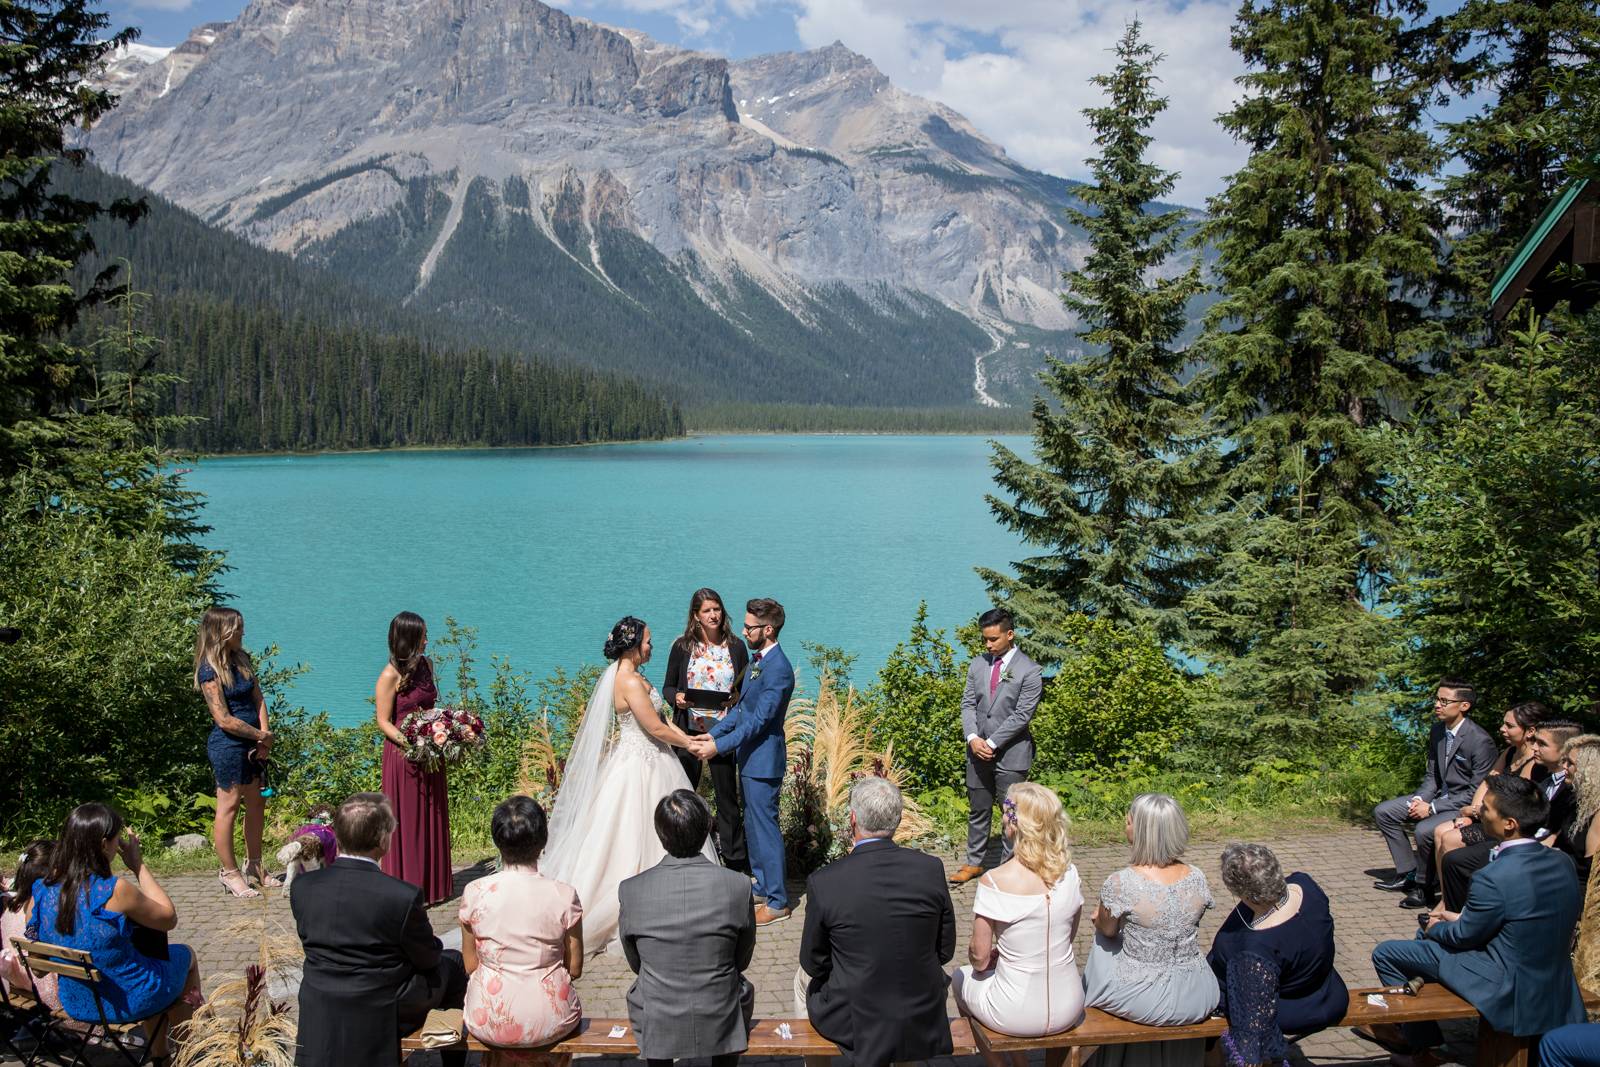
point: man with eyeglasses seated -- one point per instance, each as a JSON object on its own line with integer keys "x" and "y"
{"x": 1460, "y": 753}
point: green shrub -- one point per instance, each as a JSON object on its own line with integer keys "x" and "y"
{"x": 1117, "y": 699}
{"x": 96, "y": 699}
{"x": 916, "y": 705}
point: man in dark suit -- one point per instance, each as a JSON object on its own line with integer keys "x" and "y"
{"x": 997, "y": 706}
{"x": 374, "y": 968}
{"x": 1509, "y": 954}
{"x": 879, "y": 929}
{"x": 1460, "y": 754}
{"x": 753, "y": 730}
{"x": 688, "y": 929}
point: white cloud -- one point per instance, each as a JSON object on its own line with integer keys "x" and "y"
{"x": 1020, "y": 71}
{"x": 161, "y": 5}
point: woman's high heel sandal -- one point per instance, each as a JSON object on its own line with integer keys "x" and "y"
{"x": 223, "y": 876}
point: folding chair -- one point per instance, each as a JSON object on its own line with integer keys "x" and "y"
{"x": 40, "y": 957}
{"x": 20, "y": 1010}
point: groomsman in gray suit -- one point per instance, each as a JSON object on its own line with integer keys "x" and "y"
{"x": 1003, "y": 688}
{"x": 688, "y": 929}
{"x": 1460, "y": 753}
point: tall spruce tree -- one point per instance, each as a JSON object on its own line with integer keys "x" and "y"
{"x": 1326, "y": 251}
{"x": 49, "y": 49}
{"x": 1532, "y": 61}
{"x": 1120, "y": 467}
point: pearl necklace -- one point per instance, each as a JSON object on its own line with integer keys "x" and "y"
{"x": 1270, "y": 912}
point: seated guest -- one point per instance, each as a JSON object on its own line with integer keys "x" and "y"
{"x": 374, "y": 968}
{"x": 15, "y": 909}
{"x": 1459, "y": 866}
{"x": 688, "y": 928}
{"x": 1573, "y": 828}
{"x": 1517, "y": 727}
{"x": 81, "y": 905}
{"x": 521, "y": 939}
{"x": 1509, "y": 954}
{"x": 1023, "y": 976}
{"x": 879, "y": 929}
{"x": 1573, "y": 1045}
{"x": 1146, "y": 965}
{"x": 1273, "y": 958}
{"x": 1460, "y": 754}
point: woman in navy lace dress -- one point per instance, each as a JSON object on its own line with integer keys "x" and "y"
{"x": 238, "y": 747}
{"x": 1273, "y": 958}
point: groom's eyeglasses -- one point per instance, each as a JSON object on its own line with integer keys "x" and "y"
{"x": 757, "y": 626}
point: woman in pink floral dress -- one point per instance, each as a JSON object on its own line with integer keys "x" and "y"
{"x": 521, "y": 941}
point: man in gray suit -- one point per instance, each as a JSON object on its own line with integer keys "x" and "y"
{"x": 1003, "y": 688}
{"x": 1460, "y": 753}
{"x": 688, "y": 929}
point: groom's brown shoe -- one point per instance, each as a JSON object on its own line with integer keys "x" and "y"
{"x": 766, "y": 916}
{"x": 965, "y": 875}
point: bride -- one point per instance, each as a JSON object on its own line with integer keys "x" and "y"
{"x": 602, "y": 827}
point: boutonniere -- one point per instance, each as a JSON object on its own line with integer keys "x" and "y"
{"x": 755, "y": 672}
{"x": 1005, "y": 676}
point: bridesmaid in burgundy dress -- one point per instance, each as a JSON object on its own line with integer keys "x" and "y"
{"x": 420, "y": 851}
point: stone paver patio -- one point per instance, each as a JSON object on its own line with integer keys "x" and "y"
{"x": 1343, "y": 861}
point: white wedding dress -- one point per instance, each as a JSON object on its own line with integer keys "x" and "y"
{"x": 602, "y": 826}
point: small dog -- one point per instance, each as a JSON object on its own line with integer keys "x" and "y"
{"x": 313, "y": 846}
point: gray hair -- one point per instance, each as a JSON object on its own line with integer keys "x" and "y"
{"x": 1251, "y": 872}
{"x": 1160, "y": 831}
{"x": 876, "y": 804}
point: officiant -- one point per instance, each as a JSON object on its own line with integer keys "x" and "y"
{"x": 703, "y": 672}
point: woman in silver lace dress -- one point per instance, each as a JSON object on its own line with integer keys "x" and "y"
{"x": 1146, "y": 965}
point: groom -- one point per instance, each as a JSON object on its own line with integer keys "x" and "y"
{"x": 753, "y": 732}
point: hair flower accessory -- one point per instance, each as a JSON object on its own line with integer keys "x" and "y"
{"x": 1008, "y": 809}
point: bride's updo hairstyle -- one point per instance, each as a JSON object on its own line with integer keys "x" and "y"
{"x": 624, "y": 638}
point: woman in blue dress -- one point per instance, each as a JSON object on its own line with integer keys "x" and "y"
{"x": 239, "y": 744}
{"x": 82, "y": 905}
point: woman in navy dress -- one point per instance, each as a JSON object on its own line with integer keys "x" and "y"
{"x": 239, "y": 744}
{"x": 1273, "y": 958}
{"x": 420, "y": 850}
{"x": 82, "y": 905}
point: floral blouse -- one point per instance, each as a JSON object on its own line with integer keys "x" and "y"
{"x": 710, "y": 667}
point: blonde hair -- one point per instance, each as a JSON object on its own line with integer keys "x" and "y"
{"x": 1041, "y": 837}
{"x": 217, "y": 628}
{"x": 1584, "y": 752}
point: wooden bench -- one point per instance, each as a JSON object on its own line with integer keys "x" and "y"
{"x": 593, "y": 1038}
{"x": 1434, "y": 1003}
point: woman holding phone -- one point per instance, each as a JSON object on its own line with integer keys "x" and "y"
{"x": 702, "y": 683}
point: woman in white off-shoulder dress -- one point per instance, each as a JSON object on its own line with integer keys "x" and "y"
{"x": 602, "y": 827}
{"x": 1023, "y": 979}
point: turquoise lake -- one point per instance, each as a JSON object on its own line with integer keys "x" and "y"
{"x": 542, "y": 550}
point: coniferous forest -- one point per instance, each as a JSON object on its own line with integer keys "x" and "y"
{"x": 265, "y": 354}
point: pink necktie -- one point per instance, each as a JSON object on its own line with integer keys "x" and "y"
{"x": 994, "y": 678}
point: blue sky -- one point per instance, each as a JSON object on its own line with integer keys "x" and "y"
{"x": 1018, "y": 69}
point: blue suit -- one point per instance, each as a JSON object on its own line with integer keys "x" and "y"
{"x": 1509, "y": 955}
{"x": 753, "y": 732}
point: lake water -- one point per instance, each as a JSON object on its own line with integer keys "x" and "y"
{"x": 542, "y": 550}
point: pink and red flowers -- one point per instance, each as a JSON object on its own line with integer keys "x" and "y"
{"x": 439, "y": 737}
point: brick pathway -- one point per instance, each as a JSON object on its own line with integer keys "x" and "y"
{"x": 1342, "y": 861}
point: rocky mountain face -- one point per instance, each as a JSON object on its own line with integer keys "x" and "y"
{"x": 790, "y": 223}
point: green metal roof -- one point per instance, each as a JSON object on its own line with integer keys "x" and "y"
{"x": 1535, "y": 237}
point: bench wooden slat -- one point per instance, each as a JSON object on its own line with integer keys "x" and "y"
{"x": 593, "y": 1037}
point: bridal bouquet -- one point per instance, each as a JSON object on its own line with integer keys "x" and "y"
{"x": 439, "y": 737}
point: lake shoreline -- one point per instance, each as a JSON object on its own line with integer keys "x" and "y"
{"x": 690, "y": 435}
